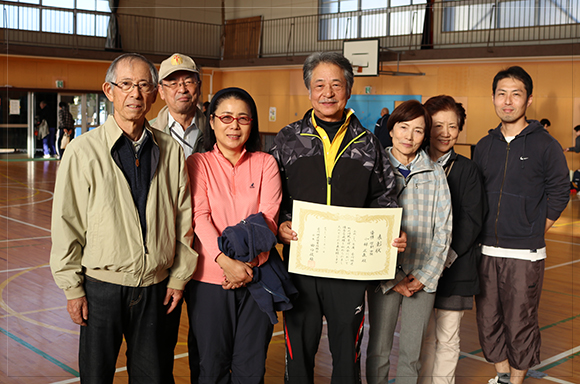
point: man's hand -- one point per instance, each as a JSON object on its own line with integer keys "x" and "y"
{"x": 285, "y": 233}
{"x": 78, "y": 309}
{"x": 172, "y": 296}
{"x": 402, "y": 288}
{"x": 401, "y": 242}
{"x": 414, "y": 285}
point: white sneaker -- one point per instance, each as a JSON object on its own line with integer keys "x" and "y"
{"x": 47, "y": 156}
{"x": 495, "y": 380}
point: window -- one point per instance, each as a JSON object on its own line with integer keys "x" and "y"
{"x": 82, "y": 17}
{"x": 351, "y": 19}
{"x": 485, "y": 14}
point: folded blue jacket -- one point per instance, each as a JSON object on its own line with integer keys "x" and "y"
{"x": 271, "y": 286}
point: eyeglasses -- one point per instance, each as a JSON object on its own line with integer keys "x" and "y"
{"x": 127, "y": 86}
{"x": 227, "y": 119}
{"x": 175, "y": 84}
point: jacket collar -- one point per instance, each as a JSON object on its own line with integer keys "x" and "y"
{"x": 533, "y": 126}
{"x": 307, "y": 125}
{"x": 114, "y": 132}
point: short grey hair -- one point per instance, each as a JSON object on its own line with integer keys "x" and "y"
{"x": 111, "y": 76}
{"x": 331, "y": 58}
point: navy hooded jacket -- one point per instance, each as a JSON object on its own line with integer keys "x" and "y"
{"x": 526, "y": 181}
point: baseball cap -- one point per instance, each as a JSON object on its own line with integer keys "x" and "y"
{"x": 177, "y": 62}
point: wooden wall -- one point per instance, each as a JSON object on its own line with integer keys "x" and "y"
{"x": 556, "y": 88}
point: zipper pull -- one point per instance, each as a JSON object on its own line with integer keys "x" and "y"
{"x": 137, "y": 162}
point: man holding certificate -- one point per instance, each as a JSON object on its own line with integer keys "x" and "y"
{"x": 329, "y": 158}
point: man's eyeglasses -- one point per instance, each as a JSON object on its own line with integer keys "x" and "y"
{"x": 175, "y": 84}
{"x": 227, "y": 119}
{"x": 127, "y": 86}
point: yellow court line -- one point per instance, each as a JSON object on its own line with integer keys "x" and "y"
{"x": 565, "y": 224}
{"x": 23, "y": 184}
{"x": 20, "y": 316}
{"x": 35, "y": 311}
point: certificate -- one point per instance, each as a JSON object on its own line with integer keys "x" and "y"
{"x": 344, "y": 243}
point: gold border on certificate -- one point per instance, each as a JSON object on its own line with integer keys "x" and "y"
{"x": 344, "y": 243}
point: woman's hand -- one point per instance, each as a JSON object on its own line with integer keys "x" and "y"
{"x": 236, "y": 273}
{"x": 285, "y": 233}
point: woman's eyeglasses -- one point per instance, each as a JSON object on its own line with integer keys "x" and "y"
{"x": 227, "y": 119}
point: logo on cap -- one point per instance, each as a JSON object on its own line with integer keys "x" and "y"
{"x": 176, "y": 60}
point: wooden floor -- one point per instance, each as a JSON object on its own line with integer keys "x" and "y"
{"x": 39, "y": 343}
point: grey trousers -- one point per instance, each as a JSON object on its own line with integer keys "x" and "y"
{"x": 383, "y": 314}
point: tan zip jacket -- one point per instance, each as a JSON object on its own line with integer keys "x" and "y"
{"x": 95, "y": 223}
{"x": 161, "y": 122}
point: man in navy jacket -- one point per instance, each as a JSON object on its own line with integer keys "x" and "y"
{"x": 527, "y": 185}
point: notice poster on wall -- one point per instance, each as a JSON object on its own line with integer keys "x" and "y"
{"x": 14, "y": 106}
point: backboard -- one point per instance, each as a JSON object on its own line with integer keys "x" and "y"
{"x": 363, "y": 55}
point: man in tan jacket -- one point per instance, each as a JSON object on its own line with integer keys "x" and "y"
{"x": 122, "y": 232}
{"x": 180, "y": 87}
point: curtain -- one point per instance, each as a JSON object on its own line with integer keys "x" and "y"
{"x": 113, "y": 36}
{"x": 427, "y": 38}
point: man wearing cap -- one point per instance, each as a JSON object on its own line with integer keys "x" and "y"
{"x": 180, "y": 87}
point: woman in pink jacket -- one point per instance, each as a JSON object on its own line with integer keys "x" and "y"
{"x": 228, "y": 333}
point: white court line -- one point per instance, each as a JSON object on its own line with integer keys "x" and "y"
{"x": 73, "y": 380}
{"x": 562, "y": 265}
{"x": 33, "y": 202}
{"x": 25, "y": 223}
{"x": 21, "y": 269}
{"x": 556, "y": 380}
{"x": 557, "y": 357}
{"x": 562, "y": 242}
{"x": 25, "y": 239}
{"x": 546, "y": 362}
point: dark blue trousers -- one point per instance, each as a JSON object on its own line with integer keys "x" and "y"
{"x": 138, "y": 314}
{"x": 228, "y": 335}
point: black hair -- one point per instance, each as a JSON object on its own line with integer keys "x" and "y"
{"x": 254, "y": 143}
{"x": 516, "y": 73}
{"x": 410, "y": 110}
{"x": 446, "y": 103}
{"x": 335, "y": 58}
{"x": 545, "y": 122}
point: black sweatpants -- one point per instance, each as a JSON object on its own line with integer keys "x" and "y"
{"x": 228, "y": 335}
{"x": 341, "y": 302}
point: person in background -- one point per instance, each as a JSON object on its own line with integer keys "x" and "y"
{"x": 381, "y": 130}
{"x": 527, "y": 183}
{"x": 423, "y": 193}
{"x": 46, "y": 114}
{"x": 459, "y": 281}
{"x": 576, "y": 147}
{"x": 546, "y": 123}
{"x": 66, "y": 125}
{"x": 122, "y": 232}
{"x": 180, "y": 88}
{"x": 204, "y": 107}
{"x": 328, "y": 157}
{"x": 228, "y": 332}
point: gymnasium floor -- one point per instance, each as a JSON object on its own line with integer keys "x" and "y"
{"x": 39, "y": 342}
